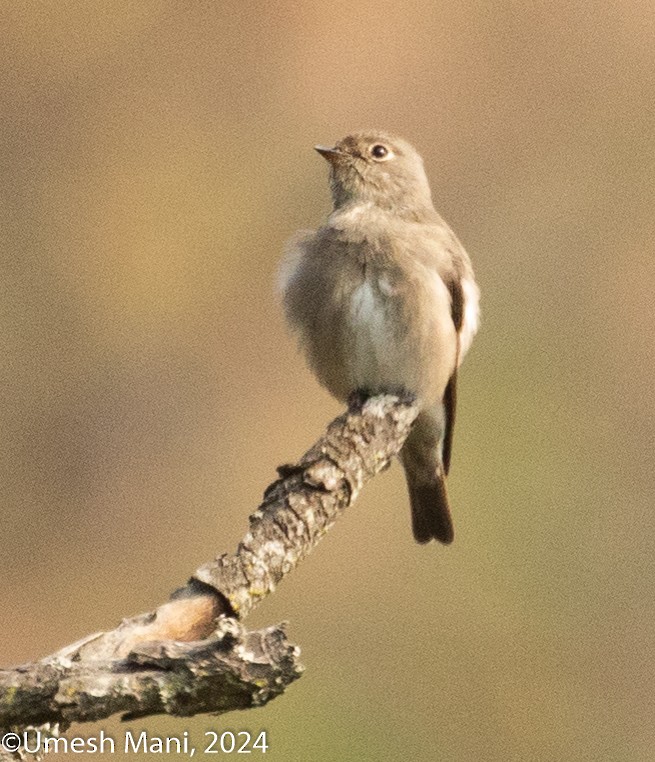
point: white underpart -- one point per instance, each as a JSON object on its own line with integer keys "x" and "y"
{"x": 378, "y": 359}
{"x": 291, "y": 259}
{"x": 351, "y": 214}
{"x": 471, "y": 316}
{"x": 385, "y": 287}
{"x": 370, "y": 333}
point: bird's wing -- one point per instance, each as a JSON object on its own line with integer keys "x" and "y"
{"x": 450, "y": 395}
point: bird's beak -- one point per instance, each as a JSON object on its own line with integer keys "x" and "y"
{"x": 329, "y": 154}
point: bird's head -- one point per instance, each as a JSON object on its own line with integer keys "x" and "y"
{"x": 374, "y": 167}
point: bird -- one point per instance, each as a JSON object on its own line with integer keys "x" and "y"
{"x": 383, "y": 299}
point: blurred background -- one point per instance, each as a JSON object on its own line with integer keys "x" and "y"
{"x": 155, "y": 157}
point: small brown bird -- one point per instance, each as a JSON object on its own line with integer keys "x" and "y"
{"x": 384, "y": 299}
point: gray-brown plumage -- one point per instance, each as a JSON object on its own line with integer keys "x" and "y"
{"x": 383, "y": 299}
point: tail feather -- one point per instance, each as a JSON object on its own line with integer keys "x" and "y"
{"x": 430, "y": 511}
{"x": 426, "y": 479}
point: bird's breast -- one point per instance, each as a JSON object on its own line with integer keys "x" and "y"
{"x": 371, "y": 314}
{"x": 399, "y": 333}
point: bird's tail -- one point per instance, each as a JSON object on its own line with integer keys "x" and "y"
{"x": 426, "y": 482}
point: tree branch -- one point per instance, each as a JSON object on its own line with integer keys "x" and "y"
{"x": 192, "y": 655}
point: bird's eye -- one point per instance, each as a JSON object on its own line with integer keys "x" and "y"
{"x": 379, "y": 152}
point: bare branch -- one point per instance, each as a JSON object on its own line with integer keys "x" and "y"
{"x": 308, "y": 498}
{"x": 192, "y": 655}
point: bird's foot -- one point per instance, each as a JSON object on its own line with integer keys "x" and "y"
{"x": 357, "y": 399}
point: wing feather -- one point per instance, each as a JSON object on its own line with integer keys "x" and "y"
{"x": 457, "y": 307}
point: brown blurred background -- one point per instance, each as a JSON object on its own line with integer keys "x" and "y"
{"x": 154, "y": 158}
